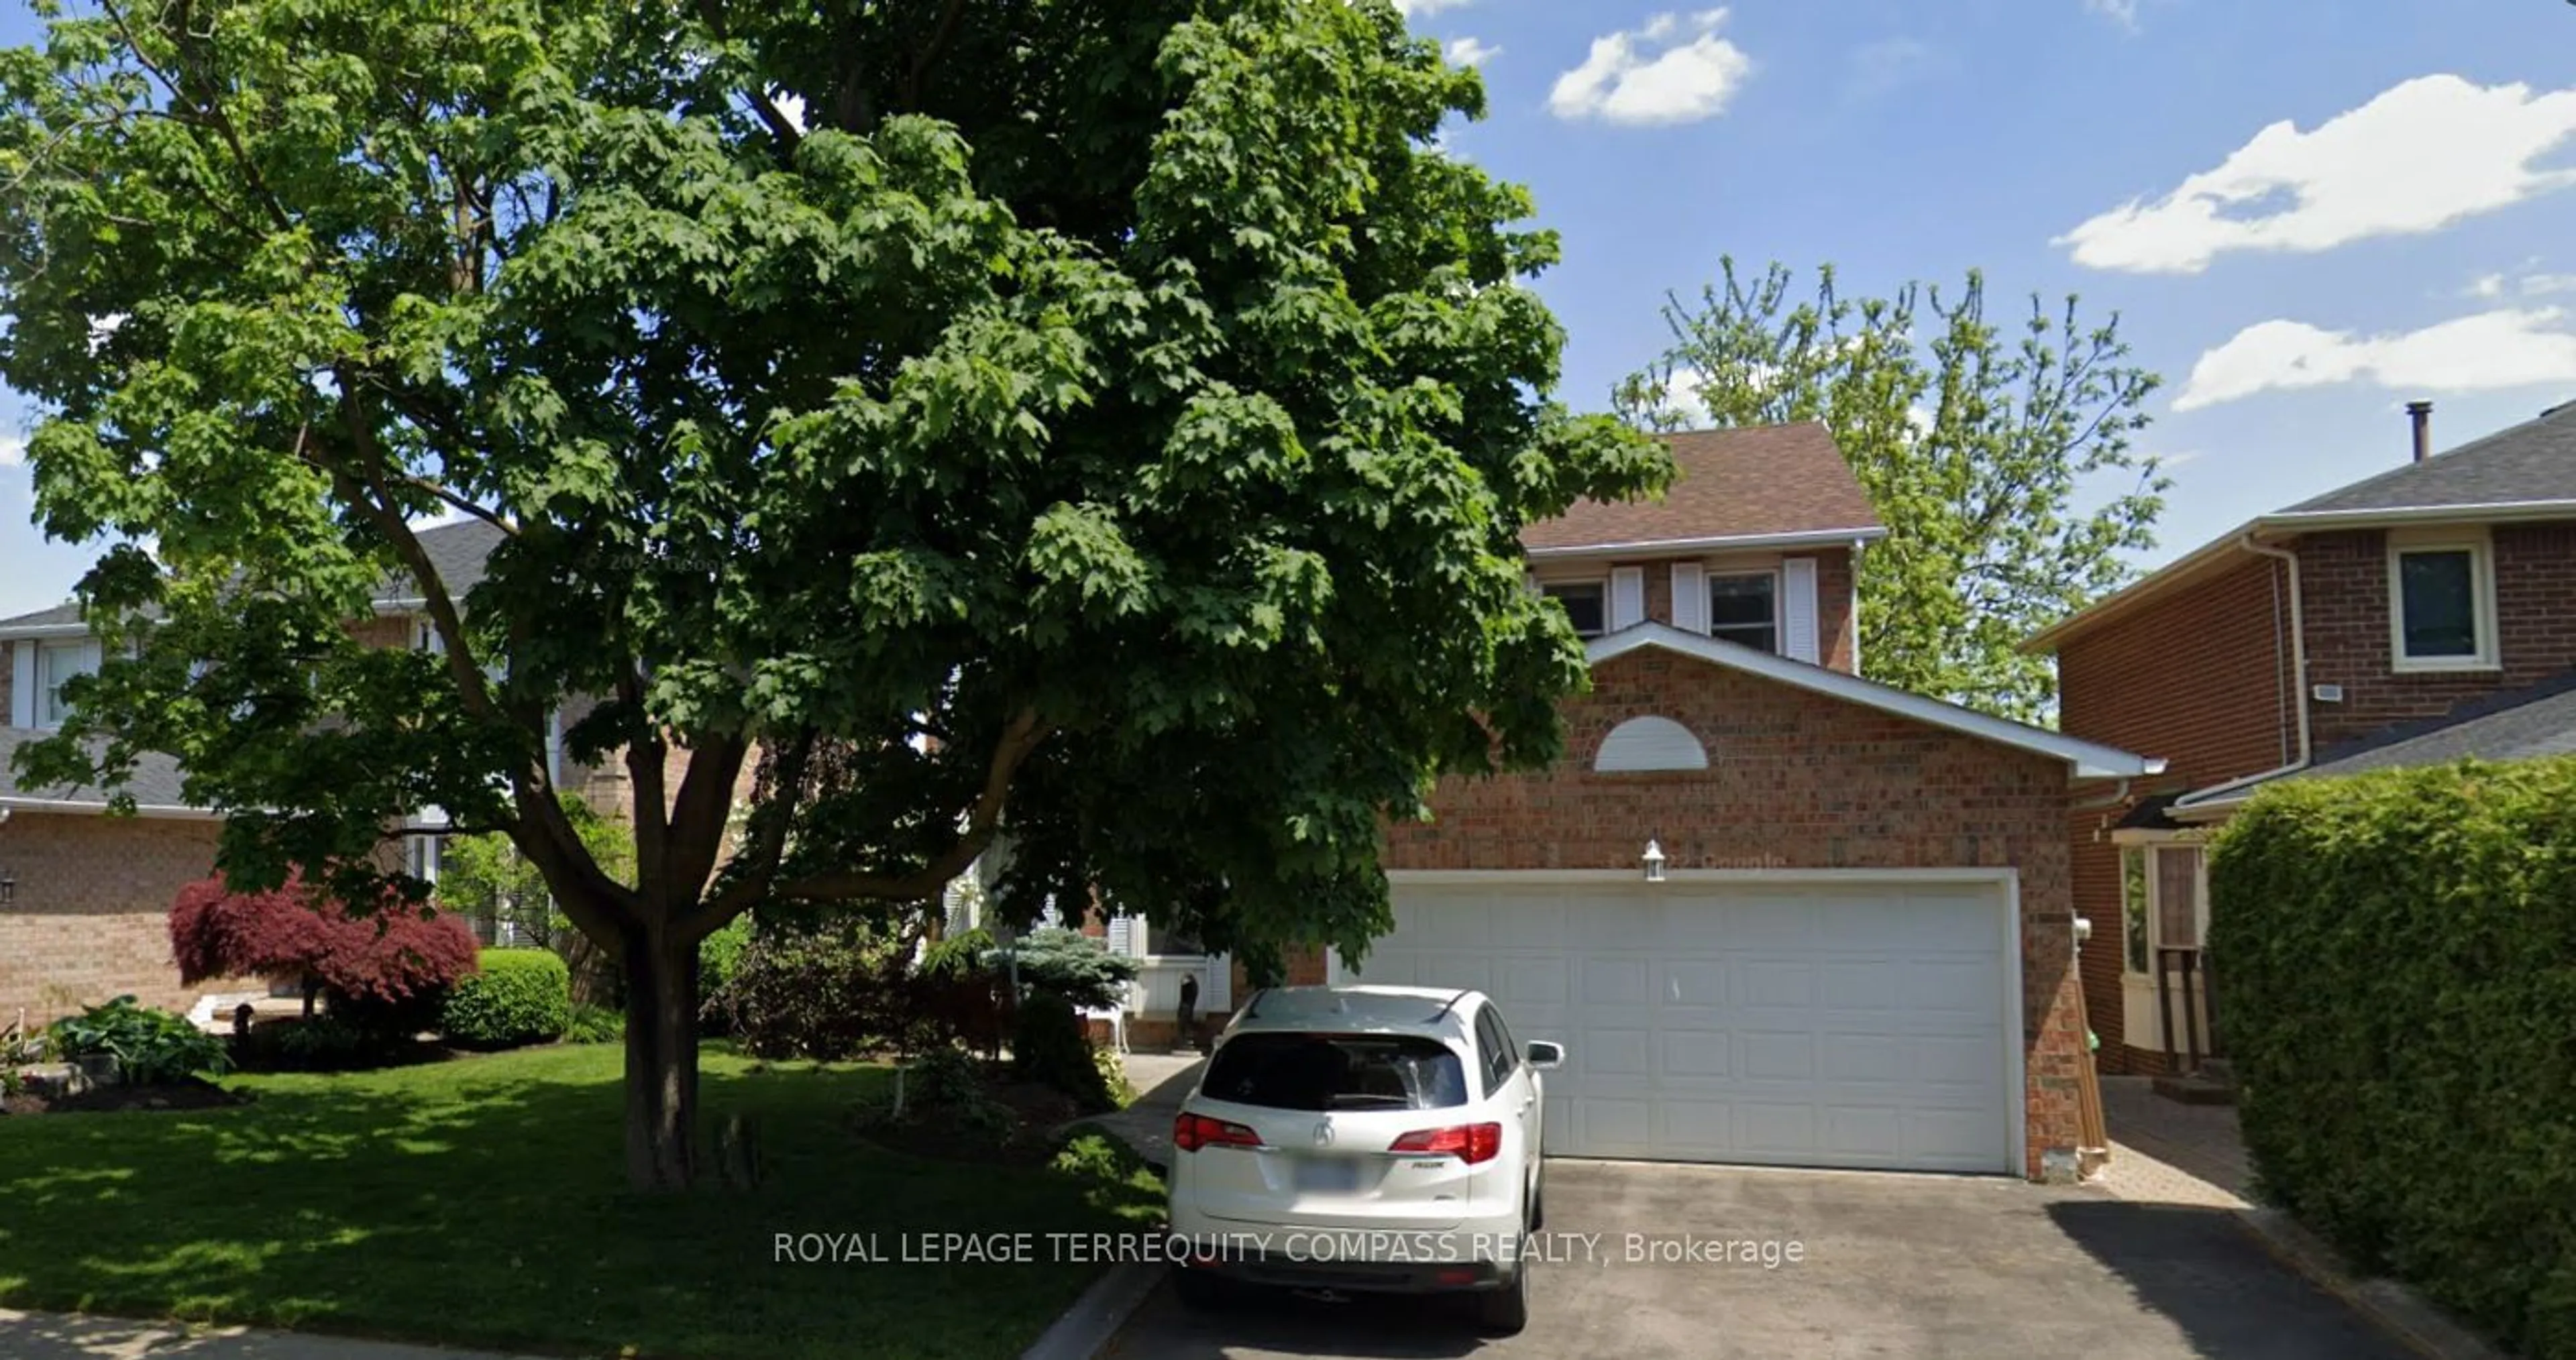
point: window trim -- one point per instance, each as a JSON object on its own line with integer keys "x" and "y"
{"x": 45, "y": 713}
{"x": 1601, "y": 583}
{"x": 2480, "y": 547}
{"x": 1779, "y": 590}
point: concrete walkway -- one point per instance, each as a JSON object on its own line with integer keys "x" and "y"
{"x": 1162, "y": 1081}
{"x": 2166, "y": 1152}
{"x": 67, "y": 1336}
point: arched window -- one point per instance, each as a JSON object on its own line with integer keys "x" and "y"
{"x": 1642, "y": 744}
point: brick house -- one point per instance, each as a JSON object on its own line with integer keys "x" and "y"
{"x": 1856, "y": 947}
{"x": 2414, "y": 617}
{"x": 85, "y": 897}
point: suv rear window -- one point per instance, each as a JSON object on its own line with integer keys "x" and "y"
{"x": 1336, "y": 1072}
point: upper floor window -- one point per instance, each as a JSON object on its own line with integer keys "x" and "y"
{"x": 1745, "y": 607}
{"x": 57, "y": 663}
{"x": 1587, "y": 603}
{"x": 2441, "y": 604}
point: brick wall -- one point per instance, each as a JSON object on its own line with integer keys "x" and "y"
{"x": 89, "y": 919}
{"x": 2200, "y": 678}
{"x": 2344, "y": 590}
{"x": 1796, "y": 780}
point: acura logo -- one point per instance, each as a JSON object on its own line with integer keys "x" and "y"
{"x": 1323, "y": 1133}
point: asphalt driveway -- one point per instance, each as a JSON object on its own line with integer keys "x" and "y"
{"x": 1888, "y": 1267}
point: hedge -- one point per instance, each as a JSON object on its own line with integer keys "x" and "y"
{"x": 520, "y": 996}
{"x": 2395, "y": 963}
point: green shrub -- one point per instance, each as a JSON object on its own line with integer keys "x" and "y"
{"x": 1049, "y": 1046}
{"x": 825, "y": 991}
{"x": 595, "y": 1025}
{"x": 2394, "y": 957}
{"x": 518, "y": 997}
{"x": 151, "y": 1048}
{"x": 1072, "y": 965}
{"x": 1113, "y": 1076}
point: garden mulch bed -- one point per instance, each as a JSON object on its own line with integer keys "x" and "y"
{"x": 1036, "y": 1110}
{"x": 192, "y": 1094}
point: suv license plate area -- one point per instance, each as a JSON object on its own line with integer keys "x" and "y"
{"x": 1325, "y": 1175}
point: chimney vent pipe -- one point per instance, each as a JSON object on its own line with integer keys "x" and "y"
{"x": 2421, "y": 412}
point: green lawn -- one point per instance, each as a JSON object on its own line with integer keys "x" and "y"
{"x": 482, "y": 1202}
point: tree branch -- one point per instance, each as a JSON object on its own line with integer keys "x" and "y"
{"x": 1019, "y": 739}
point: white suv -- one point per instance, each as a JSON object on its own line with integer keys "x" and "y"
{"x": 1363, "y": 1138}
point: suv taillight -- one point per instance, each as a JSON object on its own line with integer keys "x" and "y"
{"x": 1471, "y": 1143}
{"x": 1190, "y": 1132}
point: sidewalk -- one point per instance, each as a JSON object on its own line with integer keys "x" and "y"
{"x": 75, "y": 1336}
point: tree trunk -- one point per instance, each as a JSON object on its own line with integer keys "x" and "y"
{"x": 661, "y": 1061}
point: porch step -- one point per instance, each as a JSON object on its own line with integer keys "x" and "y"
{"x": 2203, "y": 1088}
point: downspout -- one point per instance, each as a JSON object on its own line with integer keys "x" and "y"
{"x": 2298, "y": 677}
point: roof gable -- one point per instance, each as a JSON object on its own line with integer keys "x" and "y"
{"x": 2086, "y": 759}
{"x": 1773, "y": 484}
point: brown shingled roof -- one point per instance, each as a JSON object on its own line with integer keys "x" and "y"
{"x": 1771, "y": 481}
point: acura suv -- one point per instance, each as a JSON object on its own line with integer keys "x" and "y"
{"x": 1363, "y": 1139}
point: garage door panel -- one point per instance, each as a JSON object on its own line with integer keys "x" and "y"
{"x": 1775, "y": 1057}
{"x": 1617, "y": 981}
{"x": 1695, "y": 982}
{"x": 1614, "y": 1052}
{"x": 1864, "y": 1058}
{"x": 1695, "y": 1053}
{"x": 1774, "y": 981}
{"x": 1869, "y": 1131}
{"x": 1854, "y": 1023}
{"x": 1778, "y": 1131}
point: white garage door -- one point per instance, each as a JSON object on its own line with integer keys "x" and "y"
{"x": 1843, "y": 1023}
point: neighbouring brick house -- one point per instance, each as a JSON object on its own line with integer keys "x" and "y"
{"x": 2417, "y": 616}
{"x": 1856, "y": 947}
{"x": 84, "y": 913}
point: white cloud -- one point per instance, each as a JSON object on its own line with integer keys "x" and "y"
{"x": 1673, "y": 70}
{"x": 2543, "y": 285}
{"x": 1415, "y": 8}
{"x": 2422, "y": 155}
{"x": 2121, "y": 12}
{"x": 1471, "y": 52}
{"x": 13, "y": 450}
{"x": 2487, "y": 286}
{"x": 2489, "y": 351}
{"x": 790, "y": 107}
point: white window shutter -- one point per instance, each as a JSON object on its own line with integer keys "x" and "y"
{"x": 1218, "y": 993}
{"x": 22, "y": 684}
{"x": 1122, "y": 935}
{"x": 1798, "y": 609}
{"x": 1690, "y": 597}
{"x": 1627, "y": 597}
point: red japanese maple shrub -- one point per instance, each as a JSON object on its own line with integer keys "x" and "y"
{"x": 393, "y": 957}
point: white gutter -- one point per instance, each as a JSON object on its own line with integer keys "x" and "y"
{"x": 2217, "y": 793}
{"x": 70, "y": 807}
{"x": 2487, "y": 512}
{"x": 1654, "y": 547}
{"x": 44, "y": 630}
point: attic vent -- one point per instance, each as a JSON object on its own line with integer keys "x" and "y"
{"x": 1643, "y": 744}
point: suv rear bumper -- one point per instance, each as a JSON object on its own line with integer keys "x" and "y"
{"x": 1370, "y": 1277}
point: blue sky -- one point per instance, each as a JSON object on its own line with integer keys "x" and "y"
{"x": 2306, "y": 212}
